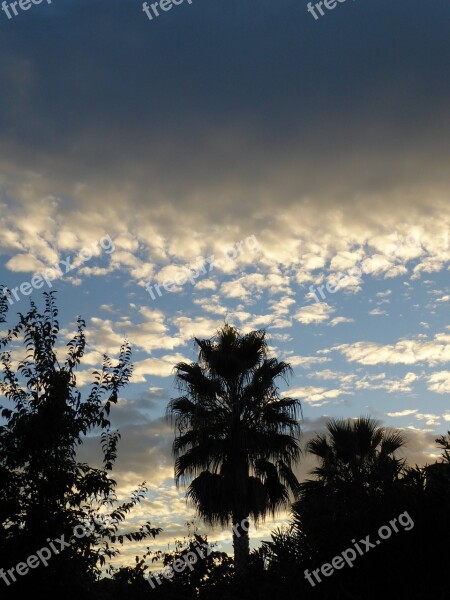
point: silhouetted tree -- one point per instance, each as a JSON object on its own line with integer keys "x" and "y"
{"x": 237, "y": 439}
{"x": 359, "y": 486}
{"x": 211, "y": 571}
{"x": 45, "y": 491}
{"x": 356, "y": 451}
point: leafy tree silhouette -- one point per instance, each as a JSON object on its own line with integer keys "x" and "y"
{"x": 208, "y": 573}
{"x": 45, "y": 492}
{"x": 236, "y": 439}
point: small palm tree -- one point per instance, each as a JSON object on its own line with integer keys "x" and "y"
{"x": 356, "y": 451}
{"x": 236, "y": 438}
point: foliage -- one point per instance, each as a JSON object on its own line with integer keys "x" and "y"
{"x": 45, "y": 490}
{"x": 359, "y": 486}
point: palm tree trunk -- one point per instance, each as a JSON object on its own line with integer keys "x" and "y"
{"x": 241, "y": 546}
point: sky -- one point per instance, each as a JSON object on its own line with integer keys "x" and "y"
{"x": 262, "y": 152}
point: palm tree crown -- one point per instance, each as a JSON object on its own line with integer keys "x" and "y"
{"x": 358, "y": 451}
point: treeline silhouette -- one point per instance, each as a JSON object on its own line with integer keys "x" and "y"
{"x": 236, "y": 444}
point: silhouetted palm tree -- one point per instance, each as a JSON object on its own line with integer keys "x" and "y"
{"x": 356, "y": 451}
{"x": 237, "y": 438}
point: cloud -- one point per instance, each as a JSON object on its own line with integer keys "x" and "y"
{"x": 316, "y": 396}
{"x": 314, "y": 313}
{"x": 406, "y": 352}
{"x": 200, "y": 327}
{"x": 206, "y": 284}
{"x": 402, "y": 413}
{"x": 430, "y": 419}
{"x": 346, "y": 379}
{"x": 161, "y": 367}
{"x": 439, "y": 382}
{"x": 378, "y": 311}
{"x": 381, "y": 382}
{"x": 152, "y": 333}
{"x": 253, "y": 283}
{"x": 340, "y": 321}
{"x": 307, "y": 361}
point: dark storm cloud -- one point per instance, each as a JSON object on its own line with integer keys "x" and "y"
{"x": 100, "y": 75}
{"x": 218, "y": 108}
